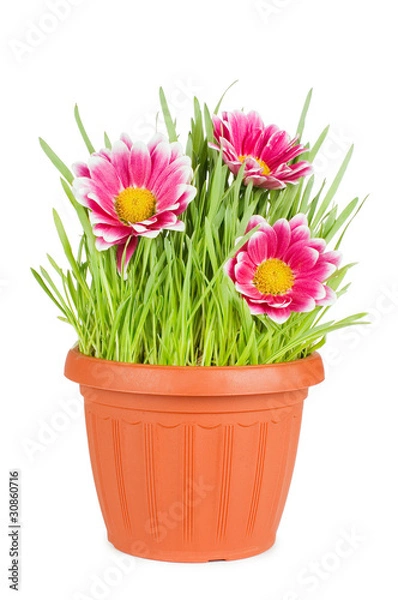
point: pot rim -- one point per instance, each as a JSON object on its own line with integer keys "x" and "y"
{"x": 193, "y": 381}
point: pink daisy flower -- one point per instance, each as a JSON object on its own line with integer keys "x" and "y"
{"x": 281, "y": 270}
{"x": 134, "y": 190}
{"x": 265, "y": 151}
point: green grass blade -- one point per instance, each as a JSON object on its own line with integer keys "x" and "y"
{"x": 170, "y": 125}
{"x": 81, "y": 211}
{"x": 341, "y": 219}
{"x": 107, "y": 141}
{"x": 223, "y": 96}
{"x": 83, "y": 132}
{"x": 303, "y": 116}
{"x": 312, "y": 153}
{"x": 40, "y": 281}
{"x": 57, "y": 162}
{"x": 349, "y": 223}
{"x": 65, "y": 241}
{"x": 333, "y": 188}
{"x": 208, "y": 124}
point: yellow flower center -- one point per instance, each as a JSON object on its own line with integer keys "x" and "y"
{"x": 134, "y": 205}
{"x": 274, "y": 277}
{"x": 264, "y": 167}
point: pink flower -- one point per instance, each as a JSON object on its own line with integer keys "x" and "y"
{"x": 134, "y": 190}
{"x": 281, "y": 270}
{"x": 265, "y": 151}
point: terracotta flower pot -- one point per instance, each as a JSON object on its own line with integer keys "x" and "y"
{"x": 192, "y": 464}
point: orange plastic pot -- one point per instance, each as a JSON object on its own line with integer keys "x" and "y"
{"x": 192, "y": 464}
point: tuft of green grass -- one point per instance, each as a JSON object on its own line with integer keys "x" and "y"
{"x": 175, "y": 305}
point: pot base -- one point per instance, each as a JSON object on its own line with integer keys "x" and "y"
{"x": 187, "y": 556}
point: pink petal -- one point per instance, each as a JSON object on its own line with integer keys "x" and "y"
{"x": 229, "y": 268}
{"x": 218, "y": 127}
{"x": 300, "y": 233}
{"x": 98, "y": 215}
{"x": 288, "y": 154}
{"x": 80, "y": 188}
{"x": 151, "y": 233}
{"x": 238, "y": 123}
{"x": 267, "y": 182}
{"x": 242, "y": 256}
{"x": 229, "y": 150}
{"x": 255, "y": 120}
{"x": 214, "y": 146}
{"x": 163, "y": 185}
{"x": 160, "y": 157}
{"x": 164, "y": 219}
{"x": 300, "y": 169}
{"x": 281, "y": 301}
{"x": 282, "y": 230}
{"x": 104, "y": 174}
{"x": 103, "y": 198}
{"x": 254, "y": 221}
{"x": 256, "y": 308}
{"x": 302, "y": 303}
{"x": 244, "y": 272}
{"x": 299, "y": 220}
{"x": 233, "y": 165}
{"x": 154, "y": 142}
{"x": 178, "y": 226}
{"x": 126, "y": 140}
{"x": 176, "y": 151}
{"x": 139, "y": 228}
{"x": 321, "y": 271}
{"x": 88, "y": 191}
{"x": 140, "y": 165}
{"x": 170, "y": 185}
{"x": 302, "y": 260}
{"x": 111, "y": 235}
{"x": 101, "y": 244}
{"x": 249, "y": 290}
{"x": 318, "y": 244}
{"x": 80, "y": 169}
{"x": 278, "y": 142}
{"x": 262, "y": 245}
{"x": 188, "y": 193}
{"x": 332, "y": 257}
{"x": 269, "y": 131}
{"x": 121, "y": 160}
{"x": 257, "y": 247}
{"x": 310, "y": 287}
{"x": 257, "y": 139}
{"x": 329, "y": 298}
{"x": 279, "y": 315}
{"x": 103, "y": 153}
{"x": 272, "y": 241}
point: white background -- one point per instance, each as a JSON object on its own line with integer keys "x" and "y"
{"x": 111, "y": 57}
